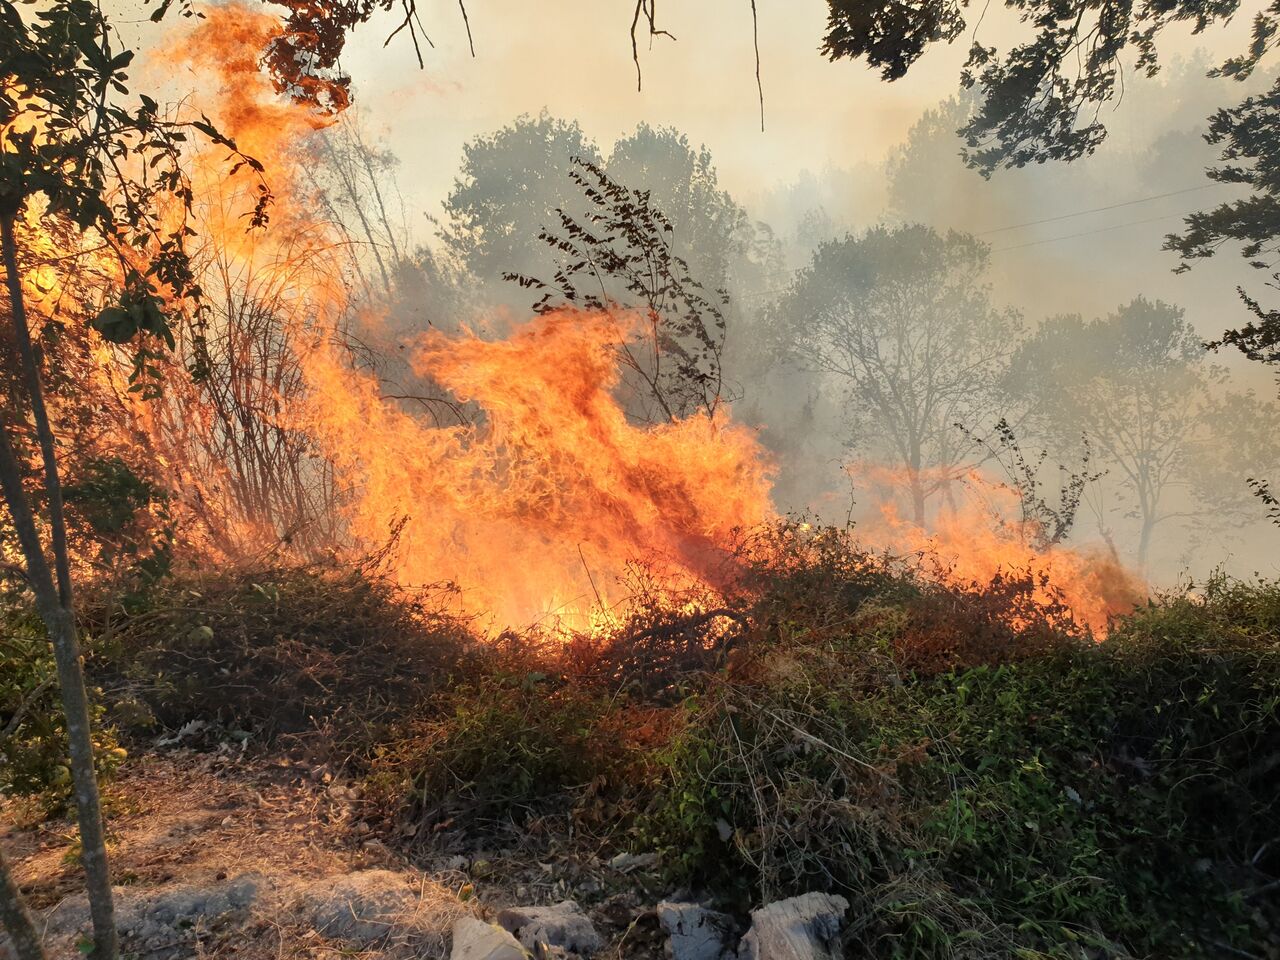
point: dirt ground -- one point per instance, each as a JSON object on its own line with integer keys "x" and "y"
{"x": 218, "y": 855}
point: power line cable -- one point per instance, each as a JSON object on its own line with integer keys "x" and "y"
{"x": 1088, "y": 233}
{"x": 1110, "y": 206}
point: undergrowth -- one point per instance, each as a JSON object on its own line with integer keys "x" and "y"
{"x": 976, "y": 773}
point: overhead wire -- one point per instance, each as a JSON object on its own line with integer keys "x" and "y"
{"x": 1082, "y": 213}
{"x": 1087, "y": 233}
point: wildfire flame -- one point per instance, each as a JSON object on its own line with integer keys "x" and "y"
{"x": 536, "y": 507}
{"x": 537, "y": 501}
{"x": 978, "y": 536}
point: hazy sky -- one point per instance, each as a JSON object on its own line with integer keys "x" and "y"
{"x": 573, "y": 57}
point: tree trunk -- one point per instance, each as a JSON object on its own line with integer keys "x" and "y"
{"x": 917, "y": 496}
{"x": 1144, "y": 543}
{"x": 53, "y": 602}
{"x": 14, "y": 918}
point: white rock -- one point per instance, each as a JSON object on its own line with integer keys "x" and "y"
{"x": 800, "y": 928}
{"x": 561, "y": 925}
{"x": 476, "y": 940}
{"x": 694, "y": 932}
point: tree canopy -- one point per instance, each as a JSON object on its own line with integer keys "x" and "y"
{"x": 903, "y": 319}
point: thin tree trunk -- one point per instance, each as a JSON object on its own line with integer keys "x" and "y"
{"x": 53, "y": 602}
{"x": 917, "y": 495}
{"x": 15, "y": 919}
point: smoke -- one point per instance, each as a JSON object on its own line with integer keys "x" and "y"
{"x": 841, "y": 153}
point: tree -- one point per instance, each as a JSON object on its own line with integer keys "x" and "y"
{"x": 1249, "y": 135}
{"x": 1042, "y": 101}
{"x": 15, "y": 919}
{"x": 69, "y": 141}
{"x": 901, "y": 318}
{"x": 1137, "y": 384}
{"x": 512, "y": 185}
{"x": 711, "y": 229}
{"x": 619, "y": 259}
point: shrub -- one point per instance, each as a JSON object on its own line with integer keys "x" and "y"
{"x": 282, "y": 651}
{"x": 33, "y": 743}
{"x": 512, "y": 746}
{"x": 1116, "y": 798}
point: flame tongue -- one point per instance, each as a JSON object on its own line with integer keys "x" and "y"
{"x": 540, "y": 503}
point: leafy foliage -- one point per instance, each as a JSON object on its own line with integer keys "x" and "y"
{"x": 106, "y": 166}
{"x": 1116, "y": 797}
{"x": 33, "y": 747}
{"x": 628, "y": 240}
{"x": 1248, "y": 134}
{"x": 1041, "y": 100}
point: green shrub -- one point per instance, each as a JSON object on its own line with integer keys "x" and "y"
{"x": 33, "y": 743}
{"x": 1119, "y": 798}
{"x": 510, "y": 746}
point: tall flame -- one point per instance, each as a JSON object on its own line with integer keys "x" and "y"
{"x": 536, "y": 508}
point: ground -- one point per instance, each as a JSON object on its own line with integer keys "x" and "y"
{"x": 219, "y": 855}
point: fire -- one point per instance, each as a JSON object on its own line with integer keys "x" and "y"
{"x": 975, "y": 538}
{"x": 536, "y": 502}
{"x": 537, "y": 506}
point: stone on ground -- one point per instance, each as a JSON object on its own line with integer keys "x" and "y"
{"x": 562, "y": 925}
{"x": 694, "y": 932}
{"x": 476, "y": 940}
{"x": 800, "y": 928}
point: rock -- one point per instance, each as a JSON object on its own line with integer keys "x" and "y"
{"x": 360, "y": 907}
{"x": 694, "y": 932}
{"x": 626, "y": 862}
{"x": 161, "y": 915}
{"x": 476, "y": 940}
{"x": 800, "y": 928}
{"x": 561, "y": 925}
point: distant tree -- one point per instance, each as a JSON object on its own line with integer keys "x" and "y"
{"x": 355, "y": 185}
{"x": 924, "y": 178}
{"x": 713, "y": 232}
{"x": 902, "y": 320}
{"x": 1139, "y": 385}
{"x": 512, "y": 185}
{"x": 1043, "y": 100}
{"x": 1236, "y": 450}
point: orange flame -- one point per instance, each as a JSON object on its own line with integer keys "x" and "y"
{"x": 975, "y": 538}
{"x": 538, "y": 506}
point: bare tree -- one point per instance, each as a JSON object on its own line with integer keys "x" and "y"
{"x": 901, "y": 319}
{"x": 1138, "y": 383}
{"x": 619, "y": 258}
